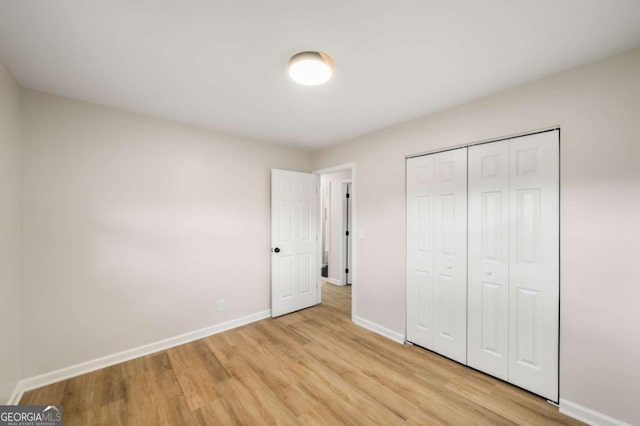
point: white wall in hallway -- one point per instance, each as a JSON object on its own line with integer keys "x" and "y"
{"x": 598, "y": 109}
{"x": 135, "y": 227}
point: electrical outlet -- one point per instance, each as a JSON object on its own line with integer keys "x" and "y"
{"x": 222, "y": 304}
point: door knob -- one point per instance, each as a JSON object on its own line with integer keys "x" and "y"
{"x": 487, "y": 272}
{"x": 277, "y": 250}
{"x": 447, "y": 266}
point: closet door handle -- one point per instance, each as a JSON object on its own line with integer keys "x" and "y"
{"x": 448, "y": 266}
{"x": 487, "y": 272}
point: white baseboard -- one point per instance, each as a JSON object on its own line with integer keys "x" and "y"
{"x": 377, "y": 328}
{"x": 129, "y": 354}
{"x": 334, "y": 281}
{"x": 588, "y": 415}
{"x": 16, "y": 396}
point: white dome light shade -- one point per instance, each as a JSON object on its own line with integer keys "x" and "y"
{"x": 311, "y": 68}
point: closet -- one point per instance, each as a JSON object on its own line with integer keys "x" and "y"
{"x": 483, "y": 257}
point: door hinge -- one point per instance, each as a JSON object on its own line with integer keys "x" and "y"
{"x": 346, "y": 271}
{"x": 348, "y": 195}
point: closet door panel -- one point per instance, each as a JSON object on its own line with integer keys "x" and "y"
{"x": 450, "y": 253}
{"x": 534, "y": 263}
{"x": 488, "y": 262}
{"x": 420, "y": 272}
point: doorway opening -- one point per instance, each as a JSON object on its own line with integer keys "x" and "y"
{"x": 337, "y": 245}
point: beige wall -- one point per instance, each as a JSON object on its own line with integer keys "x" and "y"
{"x": 134, "y": 227}
{"x": 9, "y": 234}
{"x": 598, "y": 109}
{"x": 336, "y": 225}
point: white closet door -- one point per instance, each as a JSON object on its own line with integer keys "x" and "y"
{"x": 420, "y": 272}
{"x": 534, "y": 263}
{"x": 450, "y": 254}
{"x": 488, "y": 263}
{"x": 437, "y": 252}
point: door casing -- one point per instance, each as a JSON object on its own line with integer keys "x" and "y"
{"x": 354, "y": 227}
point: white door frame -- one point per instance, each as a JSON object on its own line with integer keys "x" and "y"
{"x": 354, "y": 241}
{"x": 347, "y": 249}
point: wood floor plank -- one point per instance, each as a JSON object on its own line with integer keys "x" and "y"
{"x": 312, "y": 367}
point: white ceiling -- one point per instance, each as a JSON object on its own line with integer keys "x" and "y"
{"x": 222, "y": 63}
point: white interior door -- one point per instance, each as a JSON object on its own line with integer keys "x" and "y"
{"x": 420, "y": 288}
{"x": 488, "y": 263}
{"x": 534, "y": 263}
{"x": 294, "y": 244}
{"x": 437, "y": 252}
{"x": 450, "y": 251}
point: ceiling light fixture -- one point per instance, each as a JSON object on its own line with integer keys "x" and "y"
{"x": 311, "y": 68}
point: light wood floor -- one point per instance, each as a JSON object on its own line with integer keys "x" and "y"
{"x": 309, "y": 367}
